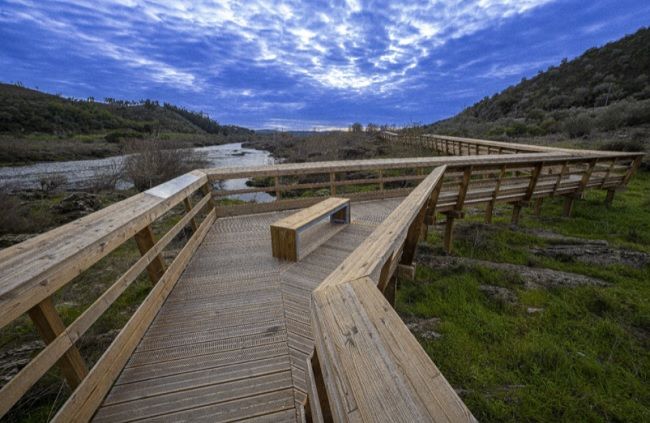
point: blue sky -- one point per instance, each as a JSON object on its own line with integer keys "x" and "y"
{"x": 301, "y": 64}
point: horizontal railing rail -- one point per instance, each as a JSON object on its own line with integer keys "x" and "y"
{"x": 35, "y": 270}
{"x": 385, "y": 178}
{"x": 367, "y": 365}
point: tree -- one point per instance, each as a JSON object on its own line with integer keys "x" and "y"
{"x": 356, "y": 127}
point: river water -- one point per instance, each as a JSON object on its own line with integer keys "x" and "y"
{"x": 77, "y": 173}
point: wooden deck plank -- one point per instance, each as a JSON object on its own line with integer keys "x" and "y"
{"x": 232, "y": 339}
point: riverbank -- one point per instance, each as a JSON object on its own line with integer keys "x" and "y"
{"x": 22, "y": 151}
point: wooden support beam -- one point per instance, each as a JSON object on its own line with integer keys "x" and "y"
{"x": 332, "y": 184}
{"x": 404, "y": 271}
{"x": 631, "y": 171}
{"x": 278, "y": 191}
{"x": 569, "y": 200}
{"x": 565, "y": 167}
{"x": 458, "y": 209}
{"x": 609, "y": 198}
{"x": 534, "y": 177}
{"x": 489, "y": 210}
{"x": 567, "y": 209}
{"x": 187, "y": 202}
{"x": 316, "y": 393}
{"x": 516, "y": 213}
{"x": 538, "y": 206}
{"x": 390, "y": 292}
{"x": 49, "y": 325}
{"x": 207, "y": 190}
{"x": 146, "y": 240}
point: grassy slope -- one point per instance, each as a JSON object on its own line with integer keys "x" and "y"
{"x": 585, "y": 357}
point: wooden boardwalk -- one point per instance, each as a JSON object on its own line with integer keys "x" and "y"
{"x": 232, "y": 340}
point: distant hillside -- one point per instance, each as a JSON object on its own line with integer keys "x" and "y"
{"x": 27, "y": 111}
{"x": 605, "y": 90}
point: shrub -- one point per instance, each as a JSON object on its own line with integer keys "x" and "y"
{"x": 632, "y": 146}
{"x": 612, "y": 117}
{"x": 117, "y": 136}
{"x": 152, "y": 162}
{"x": 578, "y": 126}
{"x": 106, "y": 178}
{"x": 51, "y": 183}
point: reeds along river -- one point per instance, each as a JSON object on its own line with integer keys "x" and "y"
{"x": 77, "y": 173}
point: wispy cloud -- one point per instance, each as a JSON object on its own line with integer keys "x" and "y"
{"x": 282, "y": 62}
{"x": 352, "y": 45}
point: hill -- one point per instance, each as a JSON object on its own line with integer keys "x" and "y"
{"x": 37, "y": 126}
{"x": 26, "y": 111}
{"x": 603, "y": 93}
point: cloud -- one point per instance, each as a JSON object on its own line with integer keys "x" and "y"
{"x": 353, "y": 45}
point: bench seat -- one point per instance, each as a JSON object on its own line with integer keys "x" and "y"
{"x": 284, "y": 232}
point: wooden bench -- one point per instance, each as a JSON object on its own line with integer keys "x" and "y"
{"x": 284, "y": 232}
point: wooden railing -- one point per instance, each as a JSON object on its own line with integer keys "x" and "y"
{"x": 32, "y": 272}
{"x": 367, "y": 365}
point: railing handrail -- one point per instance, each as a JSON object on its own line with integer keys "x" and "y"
{"x": 288, "y": 169}
{"x": 38, "y": 267}
{"x": 367, "y": 259}
{"x": 369, "y": 364}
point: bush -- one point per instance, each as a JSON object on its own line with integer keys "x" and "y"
{"x": 152, "y": 162}
{"x": 117, "y": 136}
{"x": 633, "y": 146}
{"x": 578, "y": 126}
{"x": 51, "y": 183}
{"x": 106, "y": 178}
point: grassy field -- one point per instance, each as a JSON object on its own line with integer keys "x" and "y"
{"x": 585, "y": 356}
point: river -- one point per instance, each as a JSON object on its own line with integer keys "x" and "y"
{"x": 77, "y": 173}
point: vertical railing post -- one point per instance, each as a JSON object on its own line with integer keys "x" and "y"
{"x": 319, "y": 406}
{"x": 489, "y": 210}
{"x": 569, "y": 200}
{"x": 534, "y": 177}
{"x": 458, "y": 210}
{"x": 332, "y": 184}
{"x": 278, "y": 193}
{"x": 49, "y": 325}
{"x": 187, "y": 202}
{"x": 146, "y": 240}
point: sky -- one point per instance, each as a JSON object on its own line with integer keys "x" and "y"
{"x": 300, "y": 65}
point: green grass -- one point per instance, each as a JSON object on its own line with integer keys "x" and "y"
{"x": 585, "y": 357}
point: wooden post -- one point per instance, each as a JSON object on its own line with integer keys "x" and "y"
{"x": 538, "y": 206}
{"x": 278, "y": 193}
{"x": 207, "y": 190}
{"x": 187, "y": 202}
{"x": 534, "y": 177}
{"x": 381, "y": 180}
{"x": 516, "y": 212}
{"x": 390, "y": 291}
{"x": 568, "y": 205}
{"x": 49, "y": 325}
{"x": 610, "y": 197}
{"x": 145, "y": 240}
{"x": 565, "y": 167}
{"x": 458, "y": 209}
{"x": 332, "y": 184}
{"x": 489, "y": 210}
{"x": 569, "y": 200}
{"x": 320, "y": 389}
